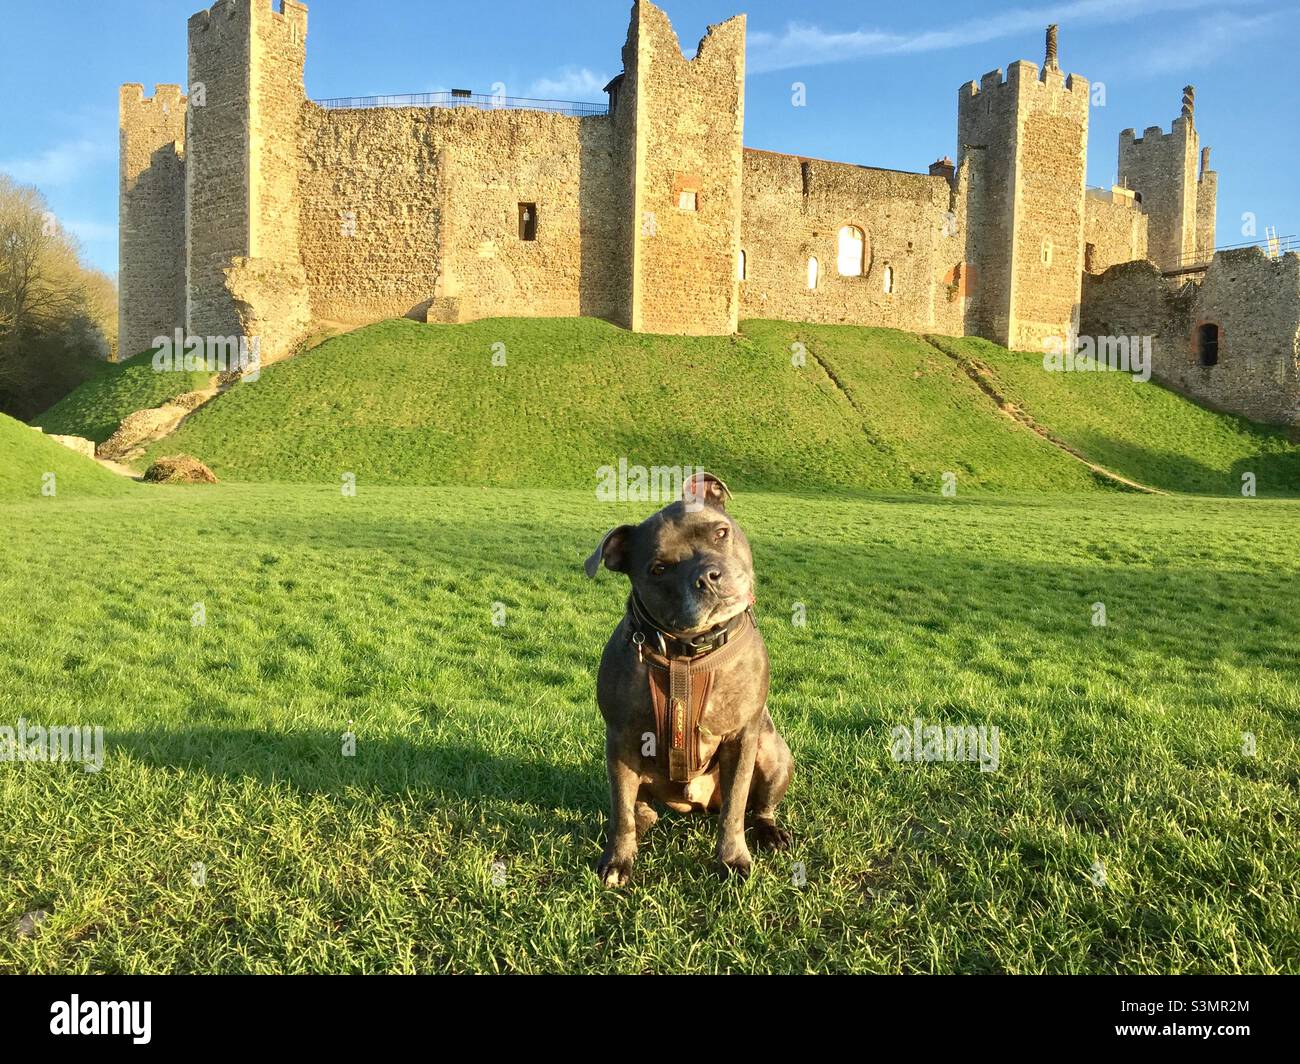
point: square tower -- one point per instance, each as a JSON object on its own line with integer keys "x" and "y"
{"x": 678, "y": 127}
{"x": 1161, "y": 170}
{"x": 244, "y": 145}
{"x": 1026, "y": 137}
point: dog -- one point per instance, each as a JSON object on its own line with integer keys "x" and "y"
{"x": 683, "y": 684}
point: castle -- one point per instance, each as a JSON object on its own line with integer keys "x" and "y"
{"x": 248, "y": 210}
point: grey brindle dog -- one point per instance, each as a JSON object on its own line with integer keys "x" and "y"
{"x": 683, "y": 683}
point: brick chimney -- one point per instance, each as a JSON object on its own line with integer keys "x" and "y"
{"x": 942, "y": 168}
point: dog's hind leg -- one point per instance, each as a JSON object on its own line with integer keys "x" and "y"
{"x": 644, "y": 813}
{"x": 773, "y": 767}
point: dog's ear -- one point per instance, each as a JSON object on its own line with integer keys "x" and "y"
{"x": 612, "y": 550}
{"x": 704, "y": 489}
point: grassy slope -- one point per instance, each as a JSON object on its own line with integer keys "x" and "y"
{"x": 873, "y": 409}
{"x": 478, "y": 744}
{"x": 401, "y": 402}
{"x": 95, "y": 409}
{"x": 25, "y": 458}
{"x": 1142, "y": 429}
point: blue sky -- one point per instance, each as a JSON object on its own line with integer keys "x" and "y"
{"x": 881, "y": 79}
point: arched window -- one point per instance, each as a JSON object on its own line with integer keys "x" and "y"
{"x": 1207, "y": 344}
{"x": 812, "y": 273}
{"x": 853, "y": 248}
{"x": 1047, "y": 253}
{"x": 889, "y": 280}
{"x": 741, "y": 266}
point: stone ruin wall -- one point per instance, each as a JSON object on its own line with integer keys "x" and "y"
{"x": 1255, "y": 302}
{"x": 415, "y": 212}
{"x": 794, "y": 209}
{"x": 1114, "y": 230}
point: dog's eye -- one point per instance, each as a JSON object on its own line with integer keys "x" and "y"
{"x": 658, "y": 569}
{"x": 721, "y": 532}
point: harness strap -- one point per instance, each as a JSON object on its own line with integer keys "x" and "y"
{"x": 679, "y": 691}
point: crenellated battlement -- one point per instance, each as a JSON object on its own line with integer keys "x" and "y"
{"x": 288, "y": 12}
{"x": 1180, "y": 127}
{"x": 1024, "y": 74}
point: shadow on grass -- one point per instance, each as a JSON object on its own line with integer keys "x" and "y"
{"x": 1277, "y": 472}
{"x": 313, "y": 762}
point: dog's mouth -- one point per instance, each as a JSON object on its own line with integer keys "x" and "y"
{"x": 714, "y": 612}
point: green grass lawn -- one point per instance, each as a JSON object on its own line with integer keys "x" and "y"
{"x": 463, "y": 834}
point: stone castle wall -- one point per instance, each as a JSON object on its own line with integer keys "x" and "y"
{"x": 1114, "y": 230}
{"x": 151, "y": 217}
{"x": 415, "y": 211}
{"x": 248, "y": 210}
{"x": 1253, "y": 300}
{"x": 794, "y": 209}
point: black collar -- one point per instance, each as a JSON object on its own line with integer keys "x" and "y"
{"x": 646, "y": 631}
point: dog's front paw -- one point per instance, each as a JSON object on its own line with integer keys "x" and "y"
{"x": 615, "y": 869}
{"x": 735, "y": 862}
{"x": 771, "y": 837}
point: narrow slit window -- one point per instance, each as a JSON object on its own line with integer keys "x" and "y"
{"x": 1207, "y": 344}
{"x": 528, "y": 221}
{"x": 889, "y": 280}
{"x": 812, "y": 273}
{"x": 741, "y": 267}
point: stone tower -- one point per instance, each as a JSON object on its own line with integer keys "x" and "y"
{"x": 1207, "y": 194}
{"x": 678, "y": 126}
{"x": 244, "y": 157}
{"x": 151, "y": 216}
{"x": 1162, "y": 170}
{"x": 1026, "y": 139}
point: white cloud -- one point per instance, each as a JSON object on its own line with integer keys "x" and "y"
{"x": 1209, "y": 39}
{"x": 570, "y": 83}
{"x": 61, "y": 165}
{"x": 801, "y": 45}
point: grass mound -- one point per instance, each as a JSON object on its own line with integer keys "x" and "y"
{"x": 97, "y": 407}
{"x": 547, "y": 402}
{"x": 1142, "y": 430}
{"x": 28, "y": 459}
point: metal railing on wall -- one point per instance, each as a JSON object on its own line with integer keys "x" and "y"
{"x": 1272, "y": 246}
{"x": 460, "y": 98}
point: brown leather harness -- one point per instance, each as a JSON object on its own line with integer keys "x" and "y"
{"x": 680, "y": 674}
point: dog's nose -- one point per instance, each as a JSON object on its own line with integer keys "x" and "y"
{"x": 708, "y": 579}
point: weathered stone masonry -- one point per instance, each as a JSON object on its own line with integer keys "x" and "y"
{"x": 247, "y": 210}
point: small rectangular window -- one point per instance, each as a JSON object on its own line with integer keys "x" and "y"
{"x": 688, "y": 200}
{"x": 528, "y": 221}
